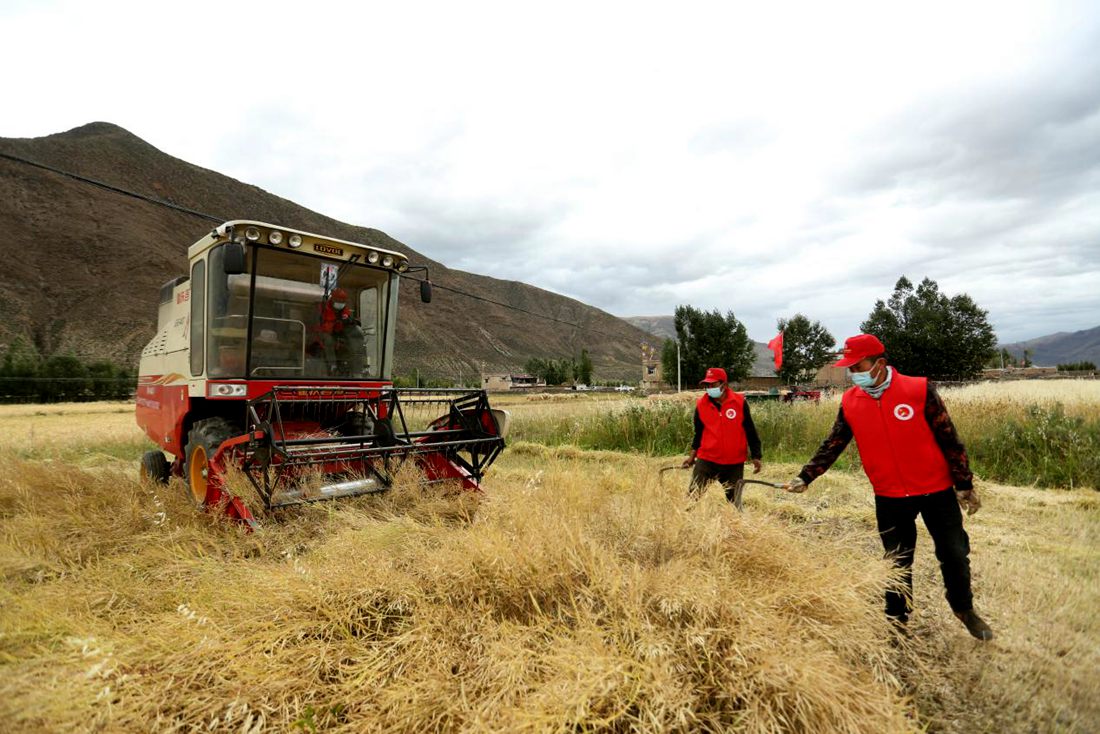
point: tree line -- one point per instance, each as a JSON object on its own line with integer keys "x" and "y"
{"x": 1077, "y": 367}
{"x": 561, "y": 371}
{"x": 925, "y": 332}
{"x": 27, "y": 376}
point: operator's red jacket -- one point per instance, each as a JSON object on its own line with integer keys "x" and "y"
{"x": 333, "y": 321}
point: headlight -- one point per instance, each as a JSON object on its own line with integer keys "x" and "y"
{"x": 372, "y": 257}
{"x": 252, "y": 234}
{"x": 275, "y": 237}
{"x": 295, "y": 241}
{"x": 402, "y": 266}
{"x": 387, "y": 261}
{"x": 226, "y": 390}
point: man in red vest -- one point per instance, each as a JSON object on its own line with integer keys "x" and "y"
{"x": 724, "y": 438}
{"x": 917, "y": 466}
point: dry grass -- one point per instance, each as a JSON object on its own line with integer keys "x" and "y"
{"x": 579, "y": 595}
{"x": 1068, "y": 392}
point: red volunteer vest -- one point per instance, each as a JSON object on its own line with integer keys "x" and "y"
{"x": 723, "y": 439}
{"x": 899, "y": 453}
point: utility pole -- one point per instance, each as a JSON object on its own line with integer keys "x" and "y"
{"x": 679, "y": 385}
{"x": 418, "y": 377}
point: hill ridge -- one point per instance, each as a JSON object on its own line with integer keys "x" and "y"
{"x": 83, "y": 265}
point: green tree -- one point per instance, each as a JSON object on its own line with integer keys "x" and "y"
{"x": 584, "y": 368}
{"x": 63, "y": 378}
{"x": 708, "y": 339}
{"x": 668, "y": 362}
{"x": 19, "y": 371}
{"x": 551, "y": 371}
{"x": 1003, "y": 358}
{"x": 929, "y": 334}
{"x": 807, "y": 347}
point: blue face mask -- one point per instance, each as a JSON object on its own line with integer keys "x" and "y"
{"x": 715, "y": 392}
{"x": 862, "y": 379}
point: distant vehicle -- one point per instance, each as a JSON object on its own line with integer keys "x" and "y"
{"x": 580, "y": 386}
{"x": 798, "y": 393}
{"x": 624, "y": 388}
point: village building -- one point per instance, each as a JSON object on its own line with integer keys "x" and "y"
{"x": 505, "y": 382}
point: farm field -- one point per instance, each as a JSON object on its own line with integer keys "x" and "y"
{"x": 581, "y": 593}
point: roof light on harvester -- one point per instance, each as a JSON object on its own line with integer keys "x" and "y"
{"x": 252, "y": 234}
{"x": 387, "y": 261}
{"x": 275, "y": 237}
{"x": 372, "y": 257}
{"x": 295, "y": 241}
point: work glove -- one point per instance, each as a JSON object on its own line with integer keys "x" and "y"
{"x": 969, "y": 500}
{"x": 796, "y": 485}
{"x": 756, "y": 466}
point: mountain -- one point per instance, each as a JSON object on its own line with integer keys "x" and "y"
{"x": 664, "y": 327}
{"x": 1061, "y": 348}
{"x": 82, "y": 265}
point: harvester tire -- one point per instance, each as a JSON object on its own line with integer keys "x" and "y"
{"x": 203, "y": 440}
{"x": 154, "y": 467}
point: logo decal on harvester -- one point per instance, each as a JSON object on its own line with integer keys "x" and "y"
{"x": 328, "y": 249}
{"x": 903, "y": 412}
{"x": 731, "y": 413}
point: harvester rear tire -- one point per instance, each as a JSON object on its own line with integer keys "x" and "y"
{"x": 154, "y": 467}
{"x": 203, "y": 440}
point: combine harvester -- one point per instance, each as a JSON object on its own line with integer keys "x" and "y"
{"x": 274, "y": 358}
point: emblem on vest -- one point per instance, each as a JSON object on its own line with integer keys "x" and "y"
{"x": 903, "y": 412}
{"x": 731, "y": 413}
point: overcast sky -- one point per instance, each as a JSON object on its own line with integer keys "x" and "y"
{"x": 764, "y": 158}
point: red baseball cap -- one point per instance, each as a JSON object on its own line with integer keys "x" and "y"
{"x": 714, "y": 374}
{"x": 858, "y": 348}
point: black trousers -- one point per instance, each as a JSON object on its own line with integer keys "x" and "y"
{"x": 897, "y": 524}
{"x": 707, "y": 471}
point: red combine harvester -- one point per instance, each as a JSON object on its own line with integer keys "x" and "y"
{"x": 274, "y": 357}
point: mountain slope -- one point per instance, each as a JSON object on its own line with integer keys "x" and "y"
{"x": 1061, "y": 347}
{"x": 82, "y": 265}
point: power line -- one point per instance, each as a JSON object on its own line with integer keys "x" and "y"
{"x": 212, "y": 218}
{"x": 109, "y": 187}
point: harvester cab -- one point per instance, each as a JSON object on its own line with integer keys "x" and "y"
{"x": 274, "y": 358}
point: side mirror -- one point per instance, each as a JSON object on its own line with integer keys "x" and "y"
{"x": 426, "y": 291}
{"x": 233, "y": 260}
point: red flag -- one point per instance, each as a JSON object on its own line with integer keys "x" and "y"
{"x": 776, "y": 345}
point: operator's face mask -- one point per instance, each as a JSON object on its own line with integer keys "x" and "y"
{"x": 339, "y": 306}
{"x": 715, "y": 392}
{"x": 863, "y": 379}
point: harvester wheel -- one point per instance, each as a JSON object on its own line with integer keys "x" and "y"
{"x": 154, "y": 467}
{"x": 202, "y": 441}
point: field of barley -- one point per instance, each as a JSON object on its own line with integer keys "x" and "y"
{"x": 582, "y": 592}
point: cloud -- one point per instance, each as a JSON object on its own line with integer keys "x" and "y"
{"x": 764, "y": 160}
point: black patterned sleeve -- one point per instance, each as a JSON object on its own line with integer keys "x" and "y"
{"x": 698, "y": 440}
{"x": 829, "y": 451}
{"x": 935, "y": 412}
{"x": 751, "y": 436}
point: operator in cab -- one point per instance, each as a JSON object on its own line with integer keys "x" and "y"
{"x": 336, "y": 336}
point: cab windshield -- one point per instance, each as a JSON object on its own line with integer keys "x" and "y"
{"x": 312, "y": 318}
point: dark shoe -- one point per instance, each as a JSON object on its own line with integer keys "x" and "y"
{"x": 975, "y": 625}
